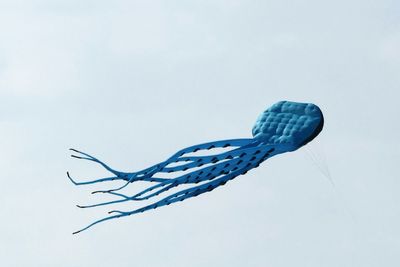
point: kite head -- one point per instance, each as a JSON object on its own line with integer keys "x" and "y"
{"x": 289, "y": 124}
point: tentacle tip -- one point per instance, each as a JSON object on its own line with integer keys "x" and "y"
{"x": 76, "y": 232}
{"x": 81, "y": 207}
{"x": 115, "y": 211}
{"x": 100, "y": 191}
{"x": 70, "y": 178}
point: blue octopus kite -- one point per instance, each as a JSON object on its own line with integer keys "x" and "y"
{"x": 284, "y": 127}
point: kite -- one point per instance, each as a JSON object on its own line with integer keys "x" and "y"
{"x": 284, "y": 127}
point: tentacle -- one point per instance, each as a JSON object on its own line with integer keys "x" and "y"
{"x": 206, "y": 146}
{"x": 91, "y": 158}
{"x": 94, "y": 181}
{"x": 237, "y": 159}
{"x": 201, "y": 175}
{"x": 96, "y": 222}
{"x": 206, "y": 173}
{"x": 115, "y": 178}
{"x": 199, "y": 161}
{"x": 216, "y": 144}
{"x": 191, "y": 192}
{"x": 244, "y": 157}
{"x": 181, "y": 195}
{"x": 146, "y": 174}
{"x": 225, "y": 167}
{"x": 134, "y": 179}
{"x": 240, "y": 143}
{"x": 248, "y": 158}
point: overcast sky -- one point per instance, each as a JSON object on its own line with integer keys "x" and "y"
{"x": 134, "y": 81}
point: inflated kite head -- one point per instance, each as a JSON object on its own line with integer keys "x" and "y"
{"x": 289, "y": 123}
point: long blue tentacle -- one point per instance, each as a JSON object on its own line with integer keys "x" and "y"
{"x": 177, "y": 157}
{"x": 166, "y": 201}
{"x": 146, "y": 174}
{"x": 141, "y": 175}
{"x": 198, "y": 161}
{"x": 194, "y": 177}
{"x": 237, "y": 159}
{"x": 190, "y": 192}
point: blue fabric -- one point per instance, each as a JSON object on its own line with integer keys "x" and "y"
{"x": 284, "y": 127}
{"x": 290, "y": 123}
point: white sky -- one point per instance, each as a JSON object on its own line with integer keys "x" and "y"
{"x": 134, "y": 81}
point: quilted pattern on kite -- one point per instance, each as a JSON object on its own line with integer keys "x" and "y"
{"x": 288, "y": 123}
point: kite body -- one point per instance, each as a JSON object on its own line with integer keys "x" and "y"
{"x": 284, "y": 127}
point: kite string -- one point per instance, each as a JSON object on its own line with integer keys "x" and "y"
{"x": 316, "y": 155}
